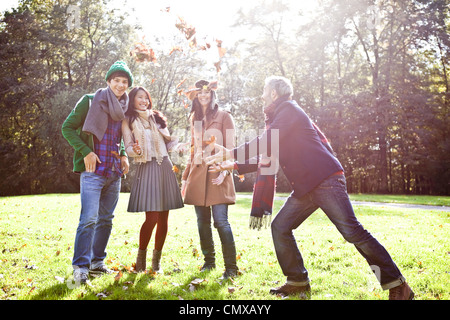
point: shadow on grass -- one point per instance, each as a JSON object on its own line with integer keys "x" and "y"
{"x": 136, "y": 286}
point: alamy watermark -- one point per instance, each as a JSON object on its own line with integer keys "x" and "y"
{"x": 266, "y": 146}
{"x": 375, "y": 15}
{"x": 373, "y": 19}
{"x": 73, "y": 19}
{"x": 371, "y": 284}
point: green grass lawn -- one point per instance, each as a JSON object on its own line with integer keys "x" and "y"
{"x": 36, "y": 248}
{"x": 393, "y": 198}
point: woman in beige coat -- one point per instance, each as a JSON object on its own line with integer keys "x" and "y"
{"x": 210, "y": 192}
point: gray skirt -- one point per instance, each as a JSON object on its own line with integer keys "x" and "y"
{"x": 155, "y": 188}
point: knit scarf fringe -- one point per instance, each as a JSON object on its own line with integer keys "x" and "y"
{"x": 256, "y": 223}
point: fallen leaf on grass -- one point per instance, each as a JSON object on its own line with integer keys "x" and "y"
{"x": 101, "y": 295}
{"x": 194, "y": 283}
{"x": 197, "y": 281}
{"x": 233, "y": 289}
{"x": 118, "y": 276}
{"x": 32, "y": 267}
{"x": 421, "y": 270}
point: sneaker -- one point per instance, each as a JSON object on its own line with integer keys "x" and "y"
{"x": 80, "y": 276}
{"x": 96, "y": 272}
{"x": 401, "y": 292}
{"x": 290, "y": 290}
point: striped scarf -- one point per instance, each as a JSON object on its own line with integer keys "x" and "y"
{"x": 262, "y": 201}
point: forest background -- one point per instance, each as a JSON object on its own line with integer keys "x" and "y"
{"x": 373, "y": 75}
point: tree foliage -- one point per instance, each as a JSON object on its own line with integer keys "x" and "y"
{"x": 374, "y": 75}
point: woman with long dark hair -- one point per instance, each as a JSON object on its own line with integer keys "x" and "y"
{"x": 210, "y": 192}
{"x": 155, "y": 189}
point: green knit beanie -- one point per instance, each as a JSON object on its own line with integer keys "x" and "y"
{"x": 120, "y": 66}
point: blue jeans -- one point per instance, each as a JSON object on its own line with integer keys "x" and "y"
{"x": 99, "y": 196}
{"x": 331, "y": 196}
{"x": 220, "y": 216}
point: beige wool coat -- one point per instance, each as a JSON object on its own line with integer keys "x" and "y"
{"x": 200, "y": 190}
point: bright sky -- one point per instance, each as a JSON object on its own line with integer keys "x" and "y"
{"x": 210, "y": 17}
{"x": 8, "y": 4}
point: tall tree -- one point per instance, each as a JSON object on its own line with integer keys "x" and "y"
{"x": 42, "y": 60}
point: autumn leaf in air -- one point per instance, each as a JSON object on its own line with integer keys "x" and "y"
{"x": 212, "y": 140}
{"x": 176, "y": 48}
{"x": 142, "y": 53}
{"x": 217, "y": 65}
{"x": 115, "y": 154}
{"x": 187, "y": 29}
{"x": 181, "y": 83}
{"x": 222, "y": 50}
{"x": 193, "y": 43}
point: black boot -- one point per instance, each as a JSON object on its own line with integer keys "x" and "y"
{"x": 229, "y": 257}
{"x": 209, "y": 254}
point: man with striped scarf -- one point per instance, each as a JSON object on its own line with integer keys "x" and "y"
{"x": 317, "y": 179}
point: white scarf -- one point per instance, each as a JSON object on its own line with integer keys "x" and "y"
{"x": 146, "y": 120}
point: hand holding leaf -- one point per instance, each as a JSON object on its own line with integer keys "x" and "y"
{"x": 137, "y": 148}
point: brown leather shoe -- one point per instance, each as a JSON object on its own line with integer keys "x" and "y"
{"x": 304, "y": 292}
{"x": 401, "y": 292}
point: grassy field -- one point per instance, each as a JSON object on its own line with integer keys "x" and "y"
{"x": 393, "y": 198}
{"x": 36, "y": 248}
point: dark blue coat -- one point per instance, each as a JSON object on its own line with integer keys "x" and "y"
{"x": 305, "y": 160}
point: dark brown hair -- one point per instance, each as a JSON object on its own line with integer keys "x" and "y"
{"x": 119, "y": 74}
{"x": 197, "y": 109}
{"x": 132, "y": 113}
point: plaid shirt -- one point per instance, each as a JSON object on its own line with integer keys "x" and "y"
{"x": 108, "y": 150}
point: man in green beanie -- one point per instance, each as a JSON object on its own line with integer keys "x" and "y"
{"x": 94, "y": 130}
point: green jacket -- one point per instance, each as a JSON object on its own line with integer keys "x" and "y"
{"x": 82, "y": 142}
